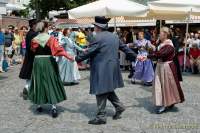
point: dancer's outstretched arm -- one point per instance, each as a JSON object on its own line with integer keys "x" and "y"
{"x": 91, "y": 51}
{"x": 131, "y": 55}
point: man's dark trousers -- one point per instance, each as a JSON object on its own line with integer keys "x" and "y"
{"x": 101, "y": 104}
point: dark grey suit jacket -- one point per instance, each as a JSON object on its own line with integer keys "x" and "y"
{"x": 104, "y": 62}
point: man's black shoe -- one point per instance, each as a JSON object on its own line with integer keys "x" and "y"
{"x": 118, "y": 114}
{"x": 97, "y": 121}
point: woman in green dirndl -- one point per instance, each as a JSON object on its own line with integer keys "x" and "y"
{"x": 46, "y": 85}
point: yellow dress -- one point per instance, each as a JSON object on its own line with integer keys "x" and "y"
{"x": 81, "y": 39}
{"x": 17, "y": 41}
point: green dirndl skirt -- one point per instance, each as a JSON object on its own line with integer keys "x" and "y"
{"x": 46, "y": 85}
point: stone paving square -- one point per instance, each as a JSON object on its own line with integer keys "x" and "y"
{"x": 19, "y": 116}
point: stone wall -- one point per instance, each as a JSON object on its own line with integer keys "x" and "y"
{"x": 5, "y": 21}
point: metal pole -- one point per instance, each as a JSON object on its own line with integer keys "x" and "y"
{"x": 187, "y": 31}
{"x": 115, "y": 24}
{"x": 160, "y": 24}
{"x": 37, "y": 2}
{"x": 146, "y": 2}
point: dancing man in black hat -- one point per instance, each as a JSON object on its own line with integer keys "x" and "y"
{"x": 105, "y": 69}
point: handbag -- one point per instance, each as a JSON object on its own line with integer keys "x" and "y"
{"x": 5, "y": 65}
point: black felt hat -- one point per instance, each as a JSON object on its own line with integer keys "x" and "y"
{"x": 32, "y": 22}
{"x": 11, "y": 27}
{"x": 101, "y": 22}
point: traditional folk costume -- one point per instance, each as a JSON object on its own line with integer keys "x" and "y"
{"x": 176, "y": 42}
{"x": 167, "y": 89}
{"x": 46, "y": 85}
{"x": 105, "y": 70}
{"x": 82, "y": 42}
{"x": 69, "y": 70}
{"x": 181, "y": 56}
{"x": 144, "y": 68}
{"x": 27, "y": 66}
{"x": 195, "y": 59}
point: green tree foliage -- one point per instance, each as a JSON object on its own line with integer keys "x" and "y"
{"x": 24, "y": 13}
{"x": 44, "y": 6}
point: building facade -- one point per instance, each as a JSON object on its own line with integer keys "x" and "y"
{"x": 3, "y": 6}
{"x": 6, "y": 7}
{"x": 16, "y": 4}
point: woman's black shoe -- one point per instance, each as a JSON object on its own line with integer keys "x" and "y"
{"x": 54, "y": 113}
{"x": 171, "y": 107}
{"x": 133, "y": 82}
{"x": 147, "y": 84}
{"x": 160, "y": 110}
{"x": 39, "y": 109}
{"x": 130, "y": 76}
{"x": 74, "y": 83}
{"x": 24, "y": 94}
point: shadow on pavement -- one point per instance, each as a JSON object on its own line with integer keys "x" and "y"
{"x": 85, "y": 78}
{"x": 46, "y": 109}
{"x": 145, "y": 103}
{"x": 3, "y": 77}
{"x": 146, "y": 88}
{"x": 148, "y": 105}
{"x": 128, "y": 81}
{"x": 89, "y": 110}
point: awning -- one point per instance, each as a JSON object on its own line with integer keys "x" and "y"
{"x": 174, "y": 9}
{"x": 109, "y": 8}
{"x": 10, "y": 6}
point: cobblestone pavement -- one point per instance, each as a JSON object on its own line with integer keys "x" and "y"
{"x": 19, "y": 116}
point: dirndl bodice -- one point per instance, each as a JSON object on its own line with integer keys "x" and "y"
{"x": 43, "y": 51}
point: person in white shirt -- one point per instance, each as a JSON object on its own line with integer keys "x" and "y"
{"x": 192, "y": 35}
{"x": 189, "y": 40}
{"x": 196, "y": 40}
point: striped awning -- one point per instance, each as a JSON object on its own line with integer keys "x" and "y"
{"x": 121, "y": 22}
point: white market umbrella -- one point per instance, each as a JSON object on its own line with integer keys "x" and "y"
{"x": 110, "y": 8}
{"x": 179, "y": 9}
{"x": 174, "y": 8}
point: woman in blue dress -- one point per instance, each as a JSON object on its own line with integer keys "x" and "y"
{"x": 69, "y": 72}
{"x": 143, "y": 67}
